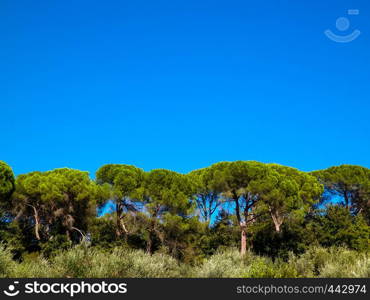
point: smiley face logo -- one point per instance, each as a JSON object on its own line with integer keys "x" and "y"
{"x": 12, "y": 291}
{"x": 342, "y": 25}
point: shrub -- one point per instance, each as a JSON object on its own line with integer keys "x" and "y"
{"x": 38, "y": 267}
{"x": 84, "y": 262}
{"x": 77, "y": 262}
{"x": 223, "y": 264}
{"x": 331, "y": 262}
{"x": 88, "y": 262}
{"x": 346, "y": 263}
{"x": 262, "y": 267}
{"x": 7, "y": 264}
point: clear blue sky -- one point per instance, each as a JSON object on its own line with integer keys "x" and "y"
{"x": 182, "y": 84}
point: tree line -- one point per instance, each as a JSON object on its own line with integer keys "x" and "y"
{"x": 269, "y": 208}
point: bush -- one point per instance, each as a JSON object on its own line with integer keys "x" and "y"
{"x": 89, "y": 262}
{"x": 77, "y": 262}
{"x": 331, "y": 262}
{"x": 316, "y": 262}
{"x": 7, "y": 264}
{"x": 223, "y": 264}
{"x": 263, "y": 267}
{"x": 37, "y": 267}
{"x": 84, "y": 262}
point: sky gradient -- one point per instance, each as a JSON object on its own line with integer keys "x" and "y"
{"x": 182, "y": 84}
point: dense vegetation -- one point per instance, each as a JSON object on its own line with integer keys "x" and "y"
{"x": 232, "y": 219}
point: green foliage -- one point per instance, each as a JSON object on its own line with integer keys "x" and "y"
{"x": 285, "y": 190}
{"x": 54, "y": 245}
{"x": 126, "y": 190}
{"x": 33, "y": 267}
{"x": 230, "y": 264}
{"x": 169, "y": 200}
{"x": 263, "y": 267}
{"x": 336, "y": 226}
{"x": 255, "y": 190}
{"x": 125, "y": 179}
{"x": 12, "y": 237}
{"x": 85, "y": 262}
{"x": 6, "y": 185}
{"x": 271, "y": 210}
{"x": 103, "y": 231}
{"x": 331, "y": 262}
{"x": 7, "y": 264}
{"x": 316, "y": 262}
{"x": 58, "y": 201}
{"x": 206, "y": 190}
{"x": 224, "y": 264}
{"x": 332, "y": 226}
{"x": 350, "y": 183}
{"x": 182, "y": 237}
{"x": 126, "y": 183}
{"x": 223, "y": 234}
{"x": 292, "y": 238}
{"x": 168, "y": 191}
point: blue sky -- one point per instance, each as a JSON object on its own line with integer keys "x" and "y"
{"x": 182, "y": 84}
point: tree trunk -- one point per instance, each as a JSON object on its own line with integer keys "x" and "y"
{"x": 37, "y": 222}
{"x": 243, "y": 238}
{"x": 124, "y": 229}
{"x": 123, "y": 226}
{"x": 118, "y": 220}
{"x": 83, "y": 237}
{"x": 149, "y": 245}
{"x": 37, "y": 225}
{"x": 277, "y": 218}
{"x": 243, "y": 244}
{"x": 277, "y": 227}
